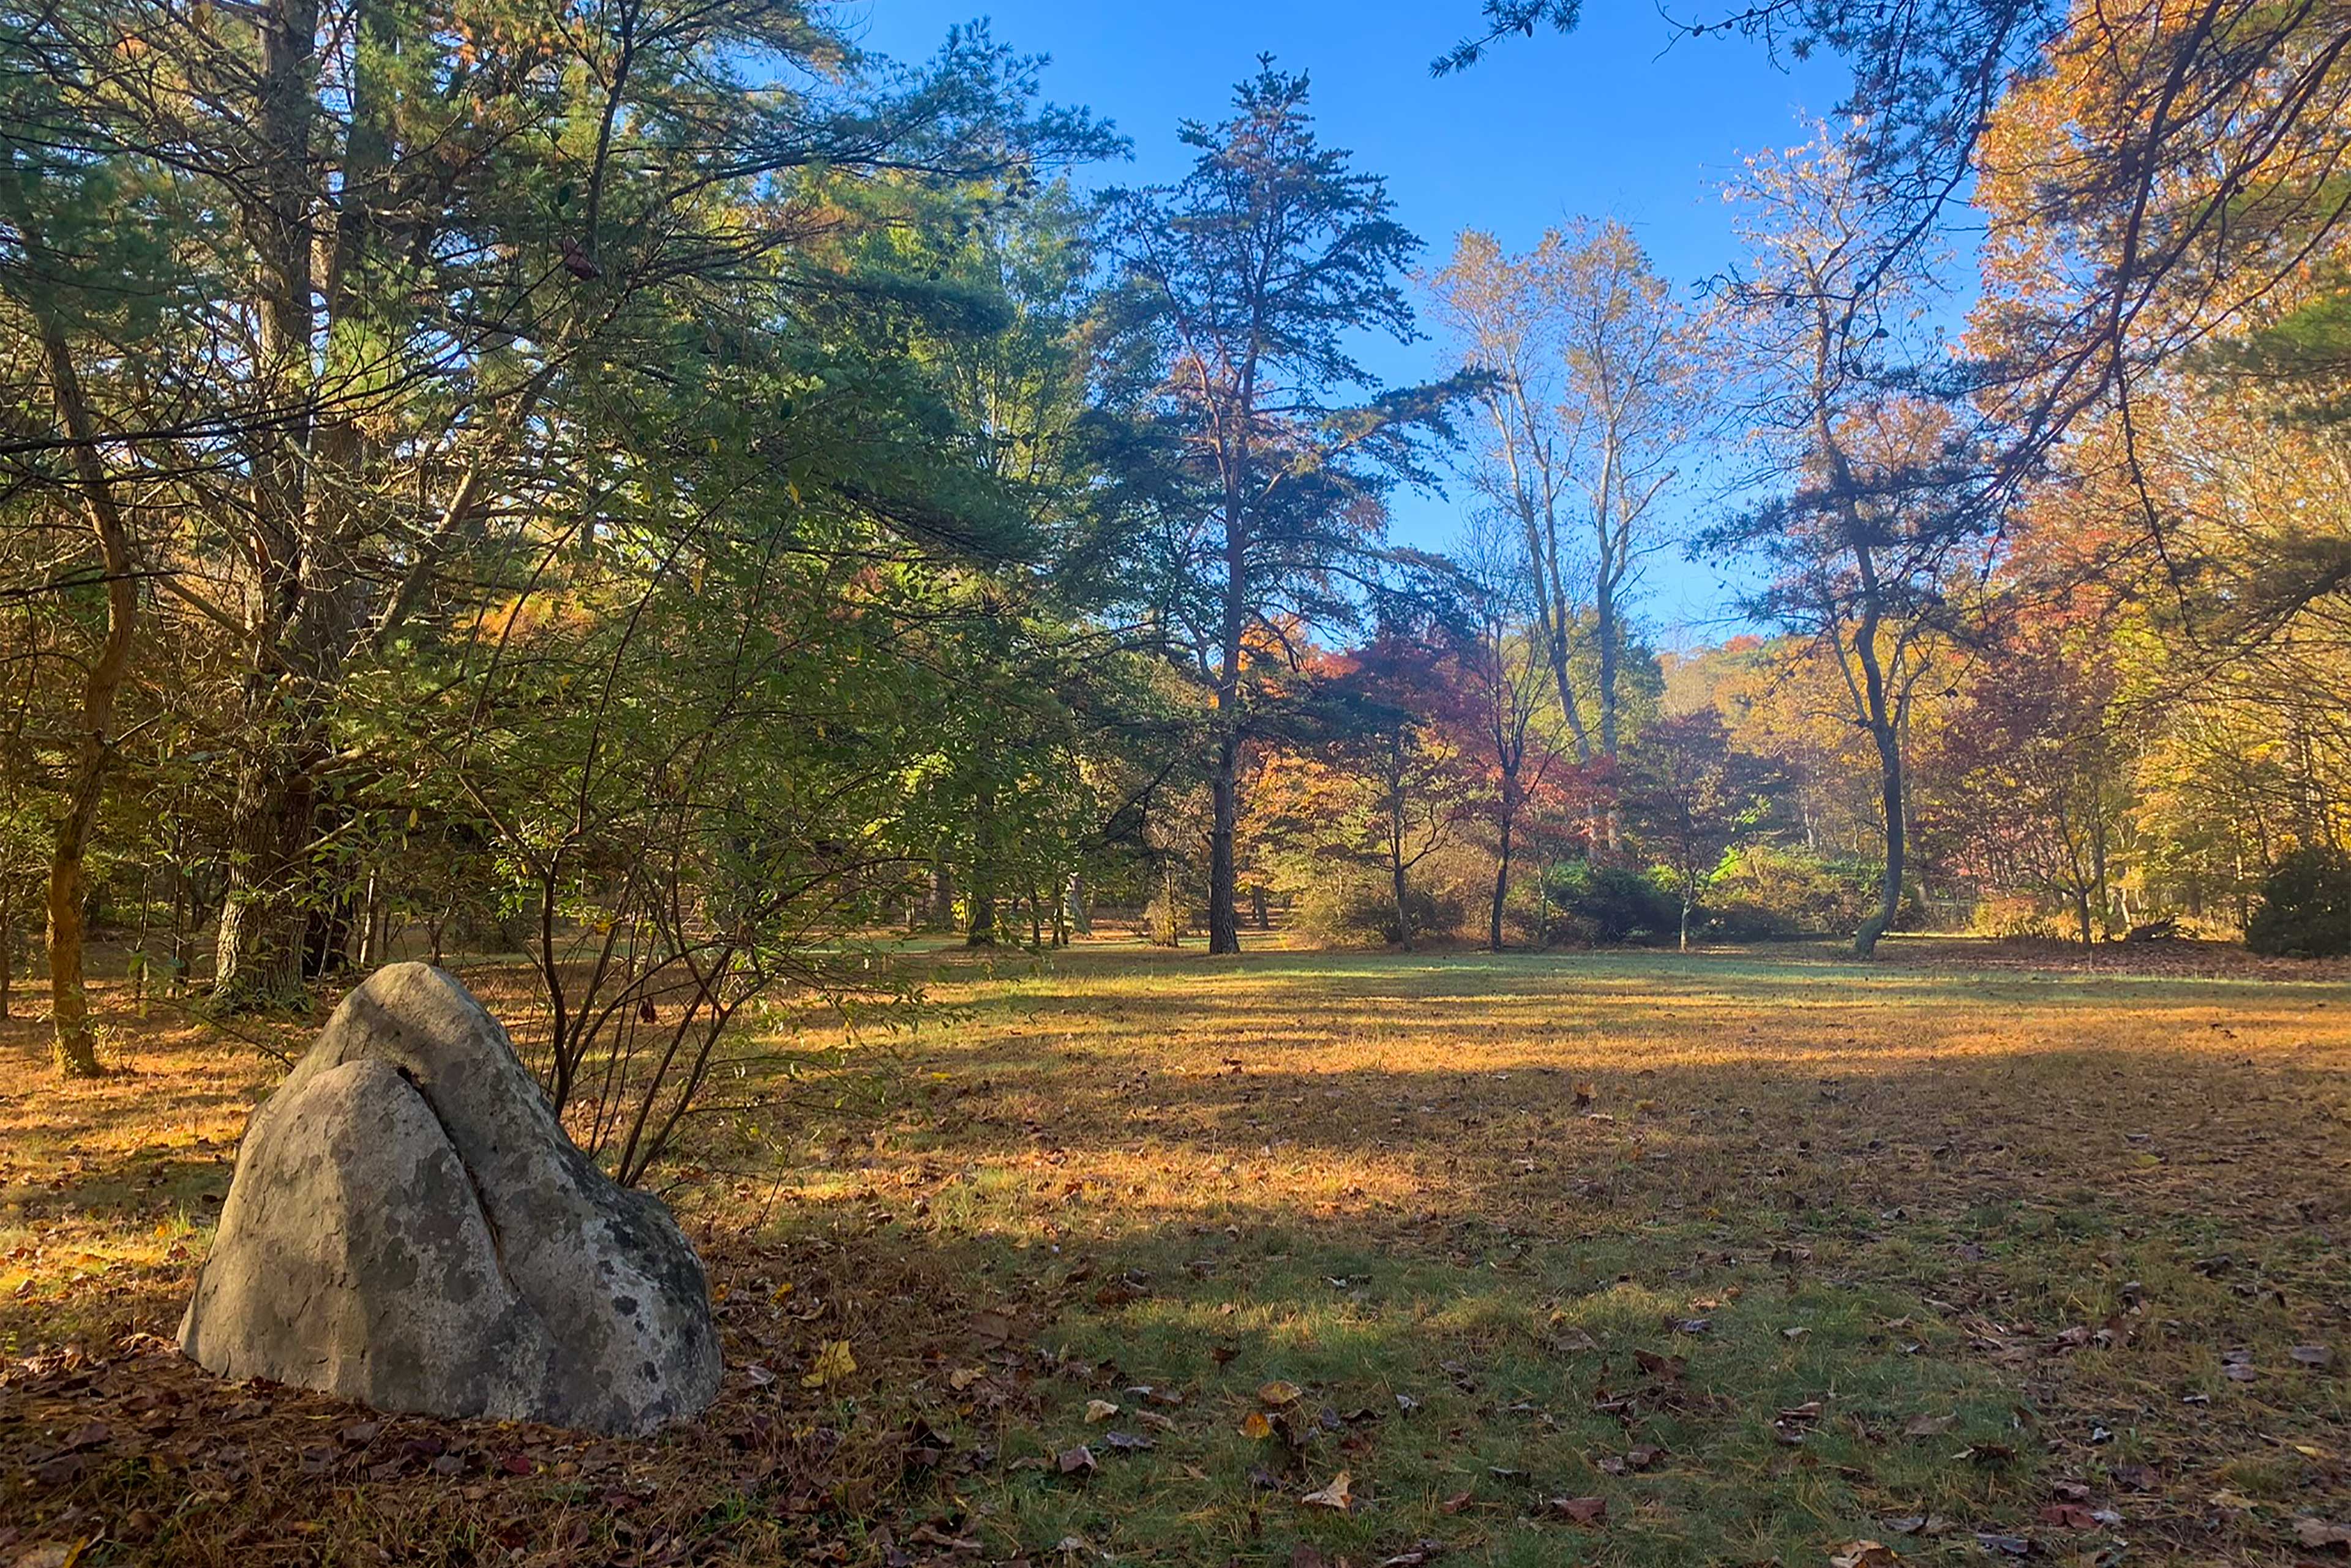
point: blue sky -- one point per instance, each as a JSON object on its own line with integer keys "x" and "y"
{"x": 1612, "y": 120}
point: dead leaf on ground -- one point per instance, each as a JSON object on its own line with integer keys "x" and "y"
{"x": 1099, "y": 1410}
{"x": 832, "y": 1363}
{"x": 1279, "y": 1393}
{"x": 1669, "y": 1367}
{"x": 2320, "y": 1535}
{"x": 1339, "y": 1495}
{"x": 1582, "y": 1510}
{"x": 1864, "y": 1555}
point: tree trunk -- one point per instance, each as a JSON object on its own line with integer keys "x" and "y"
{"x": 1224, "y": 925}
{"x": 76, "y": 1044}
{"x": 7, "y": 946}
{"x": 1889, "y": 900}
{"x": 1505, "y": 821}
{"x": 982, "y": 931}
{"x": 1403, "y": 918}
{"x": 301, "y": 598}
{"x": 1073, "y": 901}
{"x": 264, "y": 919}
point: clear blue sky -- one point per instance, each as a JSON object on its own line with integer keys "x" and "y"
{"x": 1607, "y": 121}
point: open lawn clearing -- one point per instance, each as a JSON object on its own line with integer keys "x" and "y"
{"x": 1613, "y": 1257}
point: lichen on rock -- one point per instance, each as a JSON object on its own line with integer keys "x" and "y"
{"x": 409, "y": 1228}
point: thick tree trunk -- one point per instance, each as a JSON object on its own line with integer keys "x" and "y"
{"x": 264, "y": 919}
{"x": 1224, "y": 915}
{"x": 1224, "y": 925}
{"x": 982, "y": 930}
{"x": 1889, "y": 893}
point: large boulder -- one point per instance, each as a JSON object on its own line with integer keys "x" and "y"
{"x": 409, "y": 1228}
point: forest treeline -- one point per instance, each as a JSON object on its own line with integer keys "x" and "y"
{"x": 654, "y": 486}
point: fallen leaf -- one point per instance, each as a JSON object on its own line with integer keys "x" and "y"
{"x": 1099, "y": 1410}
{"x": 1669, "y": 1367}
{"x": 51, "y": 1554}
{"x": 1079, "y": 1461}
{"x": 1279, "y": 1393}
{"x": 1864, "y": 1555}
{"x": 1582, "y": 1510}
{"x": 2320, "y": 1535}
{"x": 2317, "y": 1357}
{"x": 1255, "y": 1425}
{"x": 1338, "y": 1495}
{"x": 832, "y": 1363}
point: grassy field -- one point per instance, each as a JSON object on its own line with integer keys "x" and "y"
{"x": 1740, "y": 1257}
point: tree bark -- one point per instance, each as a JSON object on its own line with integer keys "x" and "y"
{"x": 1501, "y": 879}
{"x": 1224, "y": 925}
{"x": 263, "y": 919}
{"x": 1224, "y": 918}
{"x": 74, "y": 1045}
{"x": 1890, "y": 792}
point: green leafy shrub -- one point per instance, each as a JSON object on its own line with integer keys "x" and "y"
{"x": 1606, "y": 905}
{"x": 1765, "y": 890}
{"x": 2305, "y": 907}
